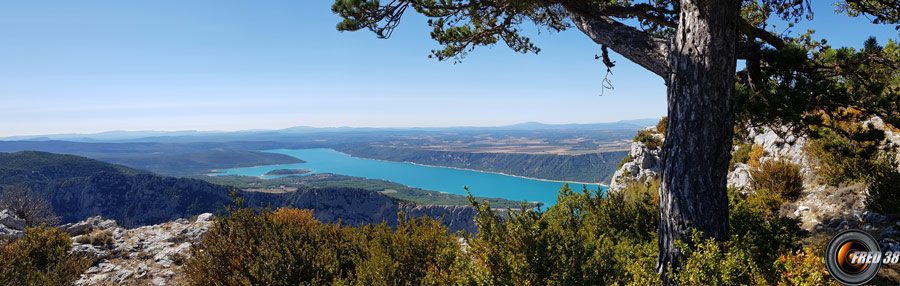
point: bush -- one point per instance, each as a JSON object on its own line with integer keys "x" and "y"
{"x": 271, "y": 248}
{"x": 842, "y": 160}
{"x": 624, "y": 160}
{"x": 803, "y": 268}
{"x": 419, "y": 251}
{"x": 760, "y": 251}
{"x": 661, "y": 126}
{"x": 781, "y": 177}
{"x": 27, "y": 205}
{"x": 101, "y": 238}
{"x": 741, "y": 155}
{"x": 765, "y": 201}
{"x": 646, "y": 137}
{"x": 642, "y": 191}
{"x": 756, "y": 153}
{"x": 40, "y": 258}
{"x": 735, "y": 262}
{"x": 587, "y": 238}
{"x": 710, "y": 262}
{"x": 884, "y": 193}
{"x": 291, "y": 247}
{"x": 768, "y": 234}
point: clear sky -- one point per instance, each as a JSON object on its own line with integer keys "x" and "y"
{"x": 91, "y": 66}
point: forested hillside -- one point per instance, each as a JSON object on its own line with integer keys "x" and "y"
{"x": 78, "y": 188}
{"x": 588, "y": 168}
{"x": 171, "y": 159}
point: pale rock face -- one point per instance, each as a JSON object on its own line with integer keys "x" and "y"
{"x": 11, "y": 226}
{"x": 790, "y": 148}
{"x": 146, "y": 255}
{"x": 891, "y": 136}
{"x": 8, "y": 233}
{"x": 90, "y": 251}
{"x": 739, "y": 177}
{"x": 645, "y": 164}
{"x": 87, "y": 225}
{"x": 75, "y": 229}
{"x": 205, "y": 217}
{"x": 10, "y": 220}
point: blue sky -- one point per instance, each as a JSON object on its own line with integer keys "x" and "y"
{"x": 92, "y": 66}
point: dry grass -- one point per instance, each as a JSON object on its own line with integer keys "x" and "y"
{"x": 97, "y": 238}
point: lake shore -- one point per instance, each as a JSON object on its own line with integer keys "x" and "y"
{"x": 482, "y": 171}
{"x": 218, "y": 172}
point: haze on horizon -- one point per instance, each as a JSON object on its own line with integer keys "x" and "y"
{"x": 89, "y": 67}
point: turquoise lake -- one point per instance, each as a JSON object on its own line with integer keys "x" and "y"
{"x": 440, "y": 179}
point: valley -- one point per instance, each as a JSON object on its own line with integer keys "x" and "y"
{"x": 568, "y": 152}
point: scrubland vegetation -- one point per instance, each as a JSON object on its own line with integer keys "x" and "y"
{"x": 40, "y": 258}
{"x": 587, "y": 238}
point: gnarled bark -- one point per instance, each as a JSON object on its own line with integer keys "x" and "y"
{"x": 696, "y": 151}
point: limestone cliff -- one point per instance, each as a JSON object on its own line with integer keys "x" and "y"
{"x": 820, "y": 208}
{"x": 641, "y": 164}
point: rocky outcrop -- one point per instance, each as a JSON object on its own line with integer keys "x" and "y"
{"x": 820, "y": 208}
{"x": 11, "y": 226}
{"x": 645, "y": 164}
{"x": 154, "y": 254}
{"x": 891, "y": 134}
{"x": 787, "y": 147}
{"x": 147, "y": 255}
{"x": 455, "y": 218}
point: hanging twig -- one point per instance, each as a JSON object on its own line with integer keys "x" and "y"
{"x": 606, "y": 83}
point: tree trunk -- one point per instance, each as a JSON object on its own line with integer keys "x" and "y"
{"x": 696, "y": 151}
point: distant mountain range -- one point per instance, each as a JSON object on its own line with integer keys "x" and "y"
{"x": 162, "y": 136}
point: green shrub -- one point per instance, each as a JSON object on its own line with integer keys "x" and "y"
{"x": 803, "y": 268}
{"x": 884, "y": 193}
{"x": 741, "y": 155}
{"x": 717, "y": 263}
{"x": 768, "y": 234}
{"x": 638, "y": 191}
{"x": 759, "y": 239}
{"x": 780, "y": 176}
{"x": 736, "y": 262}
{"x": 587, "y": 238}
{"x": 419, "y": 251}
{"x": 286, "y": 247}
{"x": 661, "y": 126}
{"x": 624, "y": 160}
{"x": 646, "y": 137}
{"x": 291, "y": 247}
{"x": 765, "y": 201}
{"x": 40, "y": 258}
{"x": 846, "y": 160}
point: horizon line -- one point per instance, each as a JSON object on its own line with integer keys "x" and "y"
{"x": 316, "y": 127}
